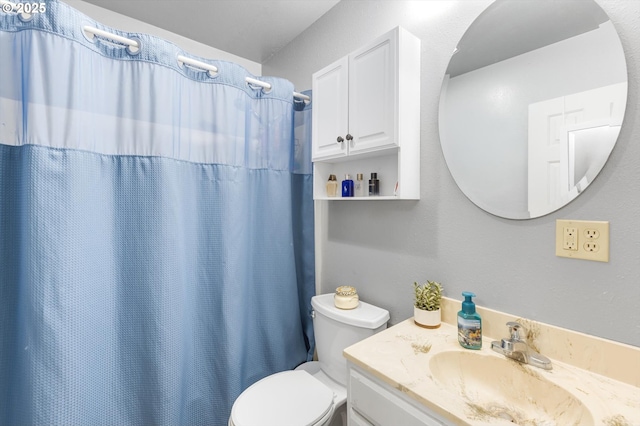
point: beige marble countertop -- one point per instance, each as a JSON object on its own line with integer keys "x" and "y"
{"x": 401, "y": 355}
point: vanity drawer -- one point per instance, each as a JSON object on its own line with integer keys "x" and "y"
{"x": 380, "y": 406}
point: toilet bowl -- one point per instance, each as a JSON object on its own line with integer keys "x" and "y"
{"x": 314, "y": 394}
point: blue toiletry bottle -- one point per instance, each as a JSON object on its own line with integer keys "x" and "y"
{"x": 347, "y": 186}
{"x": 469, "y": 324}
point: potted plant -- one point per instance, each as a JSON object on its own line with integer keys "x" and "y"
{"x": 426, "y": 307}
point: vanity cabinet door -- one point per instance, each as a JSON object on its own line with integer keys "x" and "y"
{"x": 370, "y": 401}
{"x": 356, "y": 419}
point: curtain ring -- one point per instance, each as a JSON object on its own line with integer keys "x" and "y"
{"x": 134, "y": 50}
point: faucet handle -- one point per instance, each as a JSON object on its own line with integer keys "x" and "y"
{"x": 514, "y": 330}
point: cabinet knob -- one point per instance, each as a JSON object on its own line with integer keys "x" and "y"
{"x": 349, "y": 137}
{"x": 340, "y": 140}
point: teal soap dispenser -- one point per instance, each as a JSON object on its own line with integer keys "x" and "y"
{"x": 469, "y": 324}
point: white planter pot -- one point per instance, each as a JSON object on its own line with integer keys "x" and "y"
{"x": 427, "y": 319}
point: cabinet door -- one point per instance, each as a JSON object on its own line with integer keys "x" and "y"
{"x": 379, "y": 404}
{"x": 330, "y": 111}
{"x": 373, "y": 89}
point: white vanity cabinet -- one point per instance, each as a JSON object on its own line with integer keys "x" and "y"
{"x": 366, "y": 117}
{"x": 370, "y": 401}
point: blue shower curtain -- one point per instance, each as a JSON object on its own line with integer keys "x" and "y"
{"x": 156, "y": 229}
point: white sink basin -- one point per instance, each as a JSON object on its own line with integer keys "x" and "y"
{"x": 497, "y": 389}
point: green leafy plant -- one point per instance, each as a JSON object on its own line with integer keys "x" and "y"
{"x": 428, "y": 295}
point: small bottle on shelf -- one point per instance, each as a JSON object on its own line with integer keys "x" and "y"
{"x": 332, "y": 186}
{"x": 360, "y": 190}
{"x": 347, "y": 186}
{"x": 374, "y": 185}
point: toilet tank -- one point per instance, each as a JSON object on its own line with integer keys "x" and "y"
{"x": 336, "y": 329}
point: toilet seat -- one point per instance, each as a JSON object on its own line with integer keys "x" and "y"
{"x": 289, "y": 398}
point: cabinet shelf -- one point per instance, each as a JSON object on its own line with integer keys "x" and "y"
{"x": 372, "y": 198}
{"x": 386, "y": 167}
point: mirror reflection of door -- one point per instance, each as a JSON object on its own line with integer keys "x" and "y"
{"x": 524, "y": 71}
{"x": 588, "y": 146}
{"x": 570, "y": 139}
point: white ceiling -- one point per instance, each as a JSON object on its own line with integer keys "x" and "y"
{"x": 252, "y": 29}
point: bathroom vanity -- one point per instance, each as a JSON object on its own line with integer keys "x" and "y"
{"x": 415, "y": 376}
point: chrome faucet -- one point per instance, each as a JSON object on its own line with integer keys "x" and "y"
{"x": 516, "y": 348}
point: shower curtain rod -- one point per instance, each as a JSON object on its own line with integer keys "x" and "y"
{"x": 184, "y": 59}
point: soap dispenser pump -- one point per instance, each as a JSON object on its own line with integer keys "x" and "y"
{"x": 469, "y": 324}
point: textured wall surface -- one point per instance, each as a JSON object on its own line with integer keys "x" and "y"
{"x": 382, "y": 247}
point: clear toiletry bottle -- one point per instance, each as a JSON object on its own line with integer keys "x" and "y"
{"x": 360, "y": 190}
{"x": 347, "y": 186}
{"x": 332, "y": 186}
{"x": 469, "y": 324}
{"x": 374, "y": 185}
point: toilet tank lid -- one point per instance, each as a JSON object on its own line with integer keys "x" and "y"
{"x": 364, "y": 315}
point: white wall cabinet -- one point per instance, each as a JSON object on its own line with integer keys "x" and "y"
{"x": 366, "y": 117}
{"x": 370, "y": 401}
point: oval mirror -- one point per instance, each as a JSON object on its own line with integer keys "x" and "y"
{"x": 531, "y": 104}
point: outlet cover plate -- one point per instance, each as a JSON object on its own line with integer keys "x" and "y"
{"x": 582, "y": 239}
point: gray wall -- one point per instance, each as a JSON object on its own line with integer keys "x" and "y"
{"x": 383, "y": 247}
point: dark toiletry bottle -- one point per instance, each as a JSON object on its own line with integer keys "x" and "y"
{"x": 374, "y": 185}
{"x": 347, "y": 186}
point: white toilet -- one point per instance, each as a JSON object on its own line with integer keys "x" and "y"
{"x": 314, "y": 394}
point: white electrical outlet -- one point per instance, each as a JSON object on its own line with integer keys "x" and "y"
{"x": 581, "y": 239}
